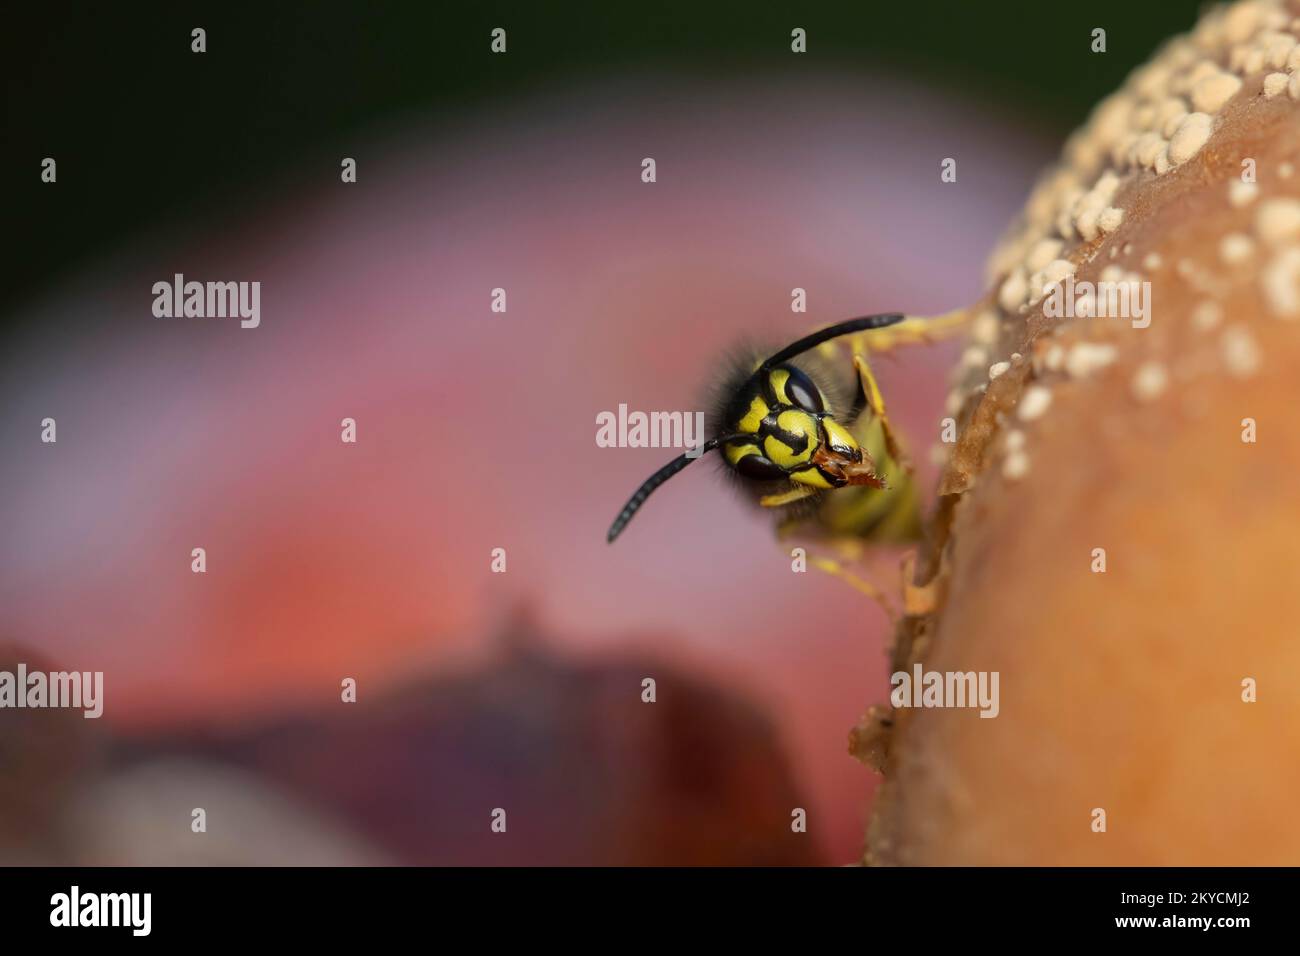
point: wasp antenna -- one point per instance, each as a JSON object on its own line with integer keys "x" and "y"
{"x": 654, "y": 481}
{"x": 861, "y": 324}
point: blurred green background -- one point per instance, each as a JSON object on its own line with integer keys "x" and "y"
{"x": 144, "y": 135}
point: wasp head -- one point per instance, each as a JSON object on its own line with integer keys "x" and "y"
{"x": 775, "y": 427}
{"x": 780, "y": 430}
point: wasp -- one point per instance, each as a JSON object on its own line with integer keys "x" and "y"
{"x": 812, "y": 443}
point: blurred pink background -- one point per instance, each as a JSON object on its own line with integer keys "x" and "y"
{"x": 477, "y": 430}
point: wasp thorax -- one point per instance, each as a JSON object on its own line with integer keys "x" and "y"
{"x": 786, "y": 433}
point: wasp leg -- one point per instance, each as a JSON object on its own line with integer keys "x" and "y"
{"x": 876, "y": 402}
{"x": 797, "y": 493}
{"x": 860, "y": 584}
{"x": 913, "y": 330}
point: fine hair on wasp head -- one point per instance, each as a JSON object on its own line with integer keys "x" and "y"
{"x": 779, "y": 424}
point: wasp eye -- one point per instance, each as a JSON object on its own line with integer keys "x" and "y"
{"x": 801, "y": 390}
{"x": 760, "y": 468}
